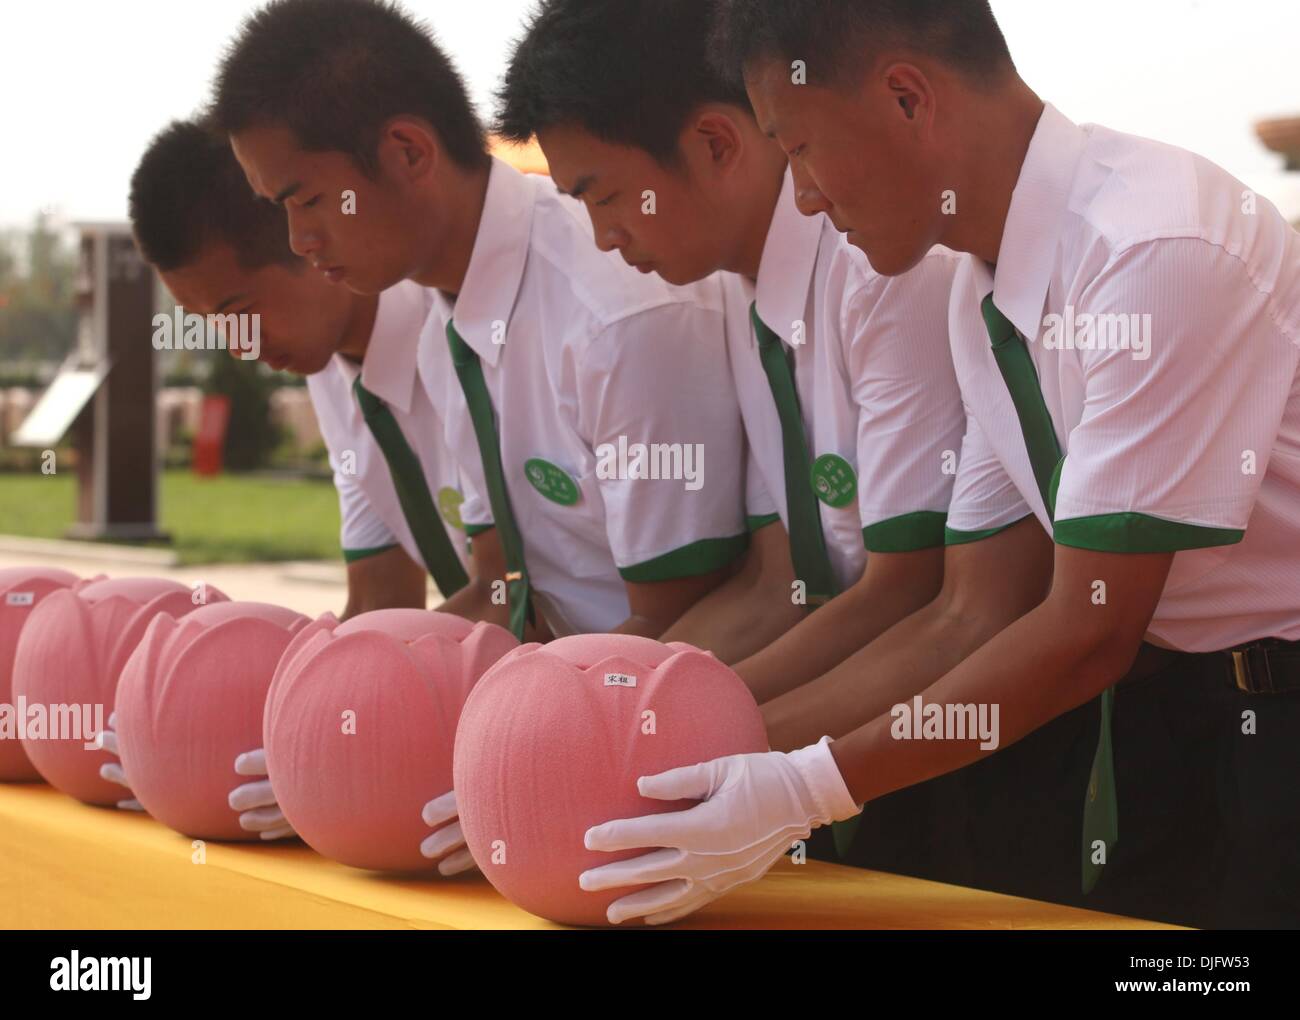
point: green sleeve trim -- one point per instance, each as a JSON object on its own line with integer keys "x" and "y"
{"x": 1053, "y": 487}
{"x": 700, "y": 557}
{"x": 923, "y": 529}
{"x": 477, "y": 529}
{"x": 753, "y": 524}
{"x": 353, "y": 555}
{"x": 1139, "y": 533}
{"x": 951, "y": 537}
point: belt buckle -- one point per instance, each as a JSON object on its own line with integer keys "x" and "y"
{"x": 1253, "y": 675}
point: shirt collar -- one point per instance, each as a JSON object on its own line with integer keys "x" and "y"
{"x": 789, "y": 259}
{"x": 1028, "y": 253}
{"x": 389, "y": 368}
{"x": 496, "y": 267}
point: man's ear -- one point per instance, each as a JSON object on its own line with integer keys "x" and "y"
{"x": 409, "y": 149}
{"x": 911, "y": 90}
{"x": 717, "y": 137}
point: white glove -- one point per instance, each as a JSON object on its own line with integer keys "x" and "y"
{"x": 255, "y": 802}
{"x": 754, "y": 806}
{"x": 449, "y": 841}
{"x": 112, "y": 771}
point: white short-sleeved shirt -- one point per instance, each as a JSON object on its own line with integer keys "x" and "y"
{"x": 372, "y": 517}
{"x": 876, "y": 386}
{"x": 1160, "y": 300}
{"x": 589, "y": 364}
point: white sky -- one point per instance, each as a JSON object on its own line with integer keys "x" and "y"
{"x": 84, "y": 84}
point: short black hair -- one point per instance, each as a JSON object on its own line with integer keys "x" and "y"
{"x": 830, "y": 36}
{"x": 188, "y": 192}
{"x": 629, "y": 72}
{"x": 334, "y": 71}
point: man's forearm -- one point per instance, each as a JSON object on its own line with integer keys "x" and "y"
{"x": 893, "y": 587}
{"x": 655, "y": 606}
{"x": 388, "y": 580}
{"x": 641, "y": 626}
{"x": 907, "y": 658}
{"x": 1052, "y": 658}
{"x": 1030, "y": 673}
{"x": 736, "y": 619}
{"x": 986, "y": 586}
{"x": 474, "y": 602}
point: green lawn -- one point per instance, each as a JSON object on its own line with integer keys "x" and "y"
{"x": 231, "y": 519}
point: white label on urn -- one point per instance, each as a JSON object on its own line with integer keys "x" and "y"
{"x": 619, "y": 680}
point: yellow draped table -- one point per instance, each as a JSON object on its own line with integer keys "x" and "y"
{"x": 64, "y": 864}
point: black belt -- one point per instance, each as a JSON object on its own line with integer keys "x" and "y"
{"x": 1268, "y": 666}
{"x": 1271, "y": 666}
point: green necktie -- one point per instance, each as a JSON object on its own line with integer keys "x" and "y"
{"x": 812, "y": 565}
{"x": 1100, "y": 806}
{"x": 470, "y": 372}
{"x": 412, "y": 493}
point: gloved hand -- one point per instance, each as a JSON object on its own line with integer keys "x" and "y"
{"x": 255, "y": 801}
{"x": 449, "y": 841}
{"x": 112, "y": 771}
{"x": 754, "y": 806}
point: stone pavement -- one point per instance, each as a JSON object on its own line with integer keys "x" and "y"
{"x": 310, "y": 588}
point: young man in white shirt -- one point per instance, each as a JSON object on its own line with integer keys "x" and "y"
{"x": 844, "y": 376}
{"x": 573, "y": 365}
{"x": 220, "y": 251}
{"x": 586, "y": 383}
{"x": 1123, "y": 576}
{"x": 876, "y": 397}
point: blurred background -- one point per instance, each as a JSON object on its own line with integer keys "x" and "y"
{"x": 85, "y": 84}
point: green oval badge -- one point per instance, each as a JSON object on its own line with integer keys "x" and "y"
{"x": 552, "y": 482}
{"x": 449, "y": 501}
{"x": 833, "y": 480}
